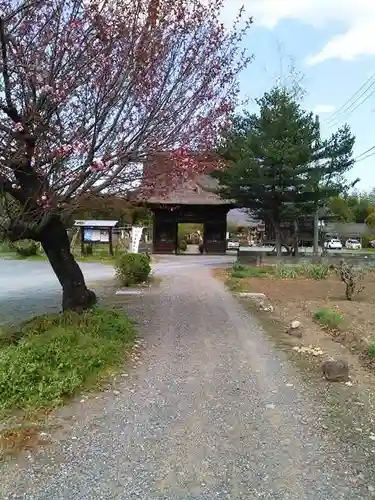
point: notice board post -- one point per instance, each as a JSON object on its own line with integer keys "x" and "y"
{"x": 96, "y": 232}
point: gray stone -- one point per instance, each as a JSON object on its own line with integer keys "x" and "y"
{"x": 335, "y": 370}
{"x": 295, "y": 324}
{"x": 252, "y": 295}
{"x": 294, "y": 329}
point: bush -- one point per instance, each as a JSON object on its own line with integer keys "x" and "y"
{"x": 52, "y": 356}
{"x": 288, "y": 272}
{"x": 132, "y": 268}
{"x": 182, "y": 245}
{"x": 26, "y": 248}
{"x": 366, "y": 239}
{"x": 6, "y": 247}
{"x": 371, "y": 351}
{"x": 317, "y": 271}
{"x": 328, "y": 318}
{"x": 352, "y": 277}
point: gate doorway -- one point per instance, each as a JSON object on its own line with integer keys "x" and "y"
{"x": 194, "y": 203}
{"x": 168, "y": 220}
{"x": 190, "y": 238}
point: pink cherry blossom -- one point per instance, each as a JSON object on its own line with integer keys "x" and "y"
{"x": 99, "y": 87}
{"x": 18, "y": 127}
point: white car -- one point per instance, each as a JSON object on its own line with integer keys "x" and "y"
{"x": 333, "y": 244}
{"x": 233, "y": 244}
{"x": 353, "y": 244}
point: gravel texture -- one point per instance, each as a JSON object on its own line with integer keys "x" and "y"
{"x": 29, "y": 288}
{"x": 209, "y": 410}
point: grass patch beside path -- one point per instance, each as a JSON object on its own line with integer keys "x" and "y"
{"x": 328, "y": 318}
{"x": 49, "y": 358}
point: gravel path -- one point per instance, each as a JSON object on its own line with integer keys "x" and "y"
{"x": 210, "y": 411}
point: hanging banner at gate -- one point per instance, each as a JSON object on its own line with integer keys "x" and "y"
{"x": 136, "y": 234}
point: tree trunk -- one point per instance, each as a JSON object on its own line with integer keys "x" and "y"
{"x": 55, "y": 243}
{"x": 295, "y": 239}
{"x": 278, "y": 241}
{"x": 316, "y": 233}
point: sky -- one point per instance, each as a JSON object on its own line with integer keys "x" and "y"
{"x": 332, "y": 46}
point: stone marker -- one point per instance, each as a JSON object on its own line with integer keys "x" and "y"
{"x": 335, "y": 370}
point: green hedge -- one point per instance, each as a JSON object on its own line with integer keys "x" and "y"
{"x": 132, "y": 268}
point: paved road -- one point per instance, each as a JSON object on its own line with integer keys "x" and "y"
{"x": 28, "y": 288}
{"x": 212, "y": 412}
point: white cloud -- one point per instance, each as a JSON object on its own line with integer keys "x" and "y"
{"x": 356, "y": 19}
{"x": 323, "y": 108}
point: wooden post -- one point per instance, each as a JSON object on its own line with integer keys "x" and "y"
{"x": 110, "y": 242}
{"x": 176, "y": 238}
{"x": 82, "y": 241}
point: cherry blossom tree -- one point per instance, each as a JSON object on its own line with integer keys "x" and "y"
{"x": 89, "y": 90}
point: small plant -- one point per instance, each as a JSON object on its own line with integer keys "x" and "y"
{"x": 182, "y": 246}
{"x": 317, "y": 271}
{"x": 26, "y": 248}
{"x": 288, "y": 272}
{"x": 371, "y": 351}
{"x": 328, "y": 318}
{"x": 352, "y": 277}
{"x": 241, "y": 271}
{"x": 132, "y": 268}
{"x": 6, "y": 246}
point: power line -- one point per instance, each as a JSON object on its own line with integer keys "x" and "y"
{"x": 364, "y": 153}
{"x": 351, "y": 111}
{"x": 346, "y": 107}
{"x": 365, "y": 157}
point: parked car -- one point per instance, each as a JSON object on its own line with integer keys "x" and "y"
{"x": 233, "y": 244}
{"x": 353, "y": 244}
{"x": 333, "y": 244}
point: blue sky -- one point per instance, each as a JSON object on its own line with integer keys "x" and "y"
{"x": 332, "y": 44}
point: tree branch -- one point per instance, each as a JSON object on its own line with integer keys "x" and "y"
{"x": 4, "y": 55}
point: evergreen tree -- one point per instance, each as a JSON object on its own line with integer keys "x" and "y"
{"x": 278, "y": 166}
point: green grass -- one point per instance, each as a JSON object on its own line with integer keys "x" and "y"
{"x": 371, "y": 351}
{"x": 328, "y": 318}
{"x": 50, "y": 357}
{"x": 283, "y": 271}
{"x": 240, "y": 271}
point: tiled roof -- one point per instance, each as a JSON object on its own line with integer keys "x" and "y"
{"x": 201, "y": 191}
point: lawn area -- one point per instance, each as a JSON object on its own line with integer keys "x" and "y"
{"x": 49, "y": 358}
{"x": 315, "y": 296}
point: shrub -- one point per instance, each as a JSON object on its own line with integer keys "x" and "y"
{"x": 26, "y": 248}
{"x": 352, "y": 277}
{"x": 371, "y": 351}
{"x": 288, "y": 272}
{"x": 328, "y": 318}
{"x": 317, "y": 271}
{"x": 366, "y": 240}
{"x": 182, "y": 245}
{"x": 6, "y": 247}
{"x": 54, "y": 355}
{"x": 132, "y": 268}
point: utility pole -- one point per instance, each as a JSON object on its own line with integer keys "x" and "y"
{"x": 316, "y": 213}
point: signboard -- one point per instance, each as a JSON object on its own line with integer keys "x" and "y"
{"x": 136, "y": 234}
{"x": 91, "y": 235}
